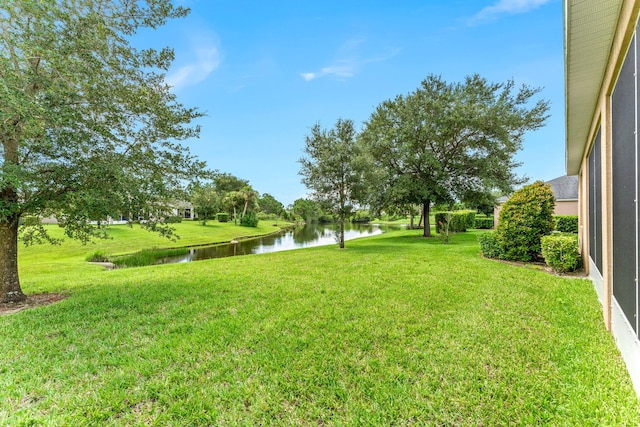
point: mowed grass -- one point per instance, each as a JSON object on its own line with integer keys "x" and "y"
{"x": 47, "y": 263}
{"x": 394, "y": 330}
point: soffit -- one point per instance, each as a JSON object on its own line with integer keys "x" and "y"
{"x": 590, "y": 26}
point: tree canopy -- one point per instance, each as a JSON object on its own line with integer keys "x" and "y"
{"x": 225, "y": 183}
{"x": 206, "y": 202}
{"x": 307, "y": 209}
{"x": 332, "y": 168}
{"x": 269, "y": 205}
{"x": 450, "y": 141}
{"x": 85, "y": 116}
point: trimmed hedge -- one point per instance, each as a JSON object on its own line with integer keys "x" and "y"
{"x": 484, "y": 223}
{"x": 460, "y": 221}
{"x": 566, "y": 223}
{"x": 561, "y": 252}
{"x": 470, "y": 218}
{"x": 222, "y": 217}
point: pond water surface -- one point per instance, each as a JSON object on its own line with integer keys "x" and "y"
{"x": 300, "y": 237}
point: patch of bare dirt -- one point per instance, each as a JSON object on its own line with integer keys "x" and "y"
{"x": 36, "y": 300}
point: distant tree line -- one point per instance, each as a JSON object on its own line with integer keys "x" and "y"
{"x": 232, "y": 198}
{"x": 227, "y": 196}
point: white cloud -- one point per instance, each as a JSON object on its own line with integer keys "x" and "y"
{"x": 341, "y": 71}
{"x": 347, "y": 64}
{"x": 204, "y": 58}
{"x": 506, "y": 7}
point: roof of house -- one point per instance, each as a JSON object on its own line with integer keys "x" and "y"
{"x": 565, "y": 187}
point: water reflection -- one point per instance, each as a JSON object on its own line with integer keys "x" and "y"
{"x": 301, "y": 237}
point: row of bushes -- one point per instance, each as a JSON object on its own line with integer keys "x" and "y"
{"x": 463, "y": 220}
{"x": 524, "y": 231}
{"x": 250, "y": 219}
{"x": 458, "y": 221}
{"x": 484, "y": 222}
{"x": 566, "y": 223}
{"x": 559, "y": 250}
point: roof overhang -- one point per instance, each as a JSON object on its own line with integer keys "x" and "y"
{"x": 589, "y": 29}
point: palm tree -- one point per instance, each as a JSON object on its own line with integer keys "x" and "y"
{"x": 233, "y": 199}
{"x": 250, "y": 196}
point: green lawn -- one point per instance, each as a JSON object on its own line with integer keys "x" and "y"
{"x": 394, "y": 330}
{"x": 46, "y": 263}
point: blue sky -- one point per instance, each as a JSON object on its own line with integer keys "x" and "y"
{"x": 264, "y": 72}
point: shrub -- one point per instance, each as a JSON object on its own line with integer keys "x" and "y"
{"x": 325, "y": 219}
{"x": 457, "y": 224}
{"x": 249, "y": 220}
{"x": 560, "y": 252}
{"x": 267, "y": 216}
{"x": 445, "y": 227}
{"x": 482, "y": 222}
{"x": 470, "y": 218}
{"x": 361, "y": 217}
{"x": 222, "y": 217}
{"x": 173, "y": 219}
{"x": 566, "y": 223}
{"x": 489, "y": 245}
{"x": 98, "y": 256}
{"x": 524, "y": 219}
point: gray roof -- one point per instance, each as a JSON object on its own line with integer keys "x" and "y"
{"x": 565, "y": 187}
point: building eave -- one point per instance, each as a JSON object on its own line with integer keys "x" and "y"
{"x": 590, "y": 27}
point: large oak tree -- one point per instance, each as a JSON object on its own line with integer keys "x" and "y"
{"x": 450, "y": 141}
{"x": 88, "y": 126}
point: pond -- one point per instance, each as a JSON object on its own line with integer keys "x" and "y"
{"x": 300, "y": 237}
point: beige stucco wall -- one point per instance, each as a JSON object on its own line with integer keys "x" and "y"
{"x": 566, "y": 207}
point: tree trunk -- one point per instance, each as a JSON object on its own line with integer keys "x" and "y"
{"x": 341, "y": 233}
{"x": 411, "y": 222}
{"x": 425, "y": 215}
{"x": 9, "y": 281}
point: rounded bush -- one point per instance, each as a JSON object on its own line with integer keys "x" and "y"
{"x": 561, "y": 252}
{"x": 249, "y": 220}
{"x": 524, "y": 219}
{"x": 173, "y": 219}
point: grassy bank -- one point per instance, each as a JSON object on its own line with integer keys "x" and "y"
{"x": 403, "y": 331}
{"x": 45, "y": 263}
